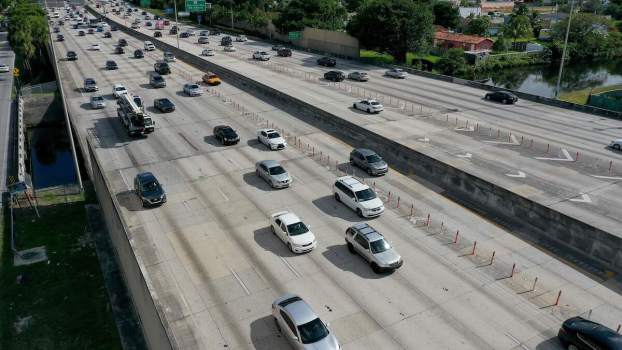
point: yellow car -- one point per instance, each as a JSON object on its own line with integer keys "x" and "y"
{"x": 211, "y": 79}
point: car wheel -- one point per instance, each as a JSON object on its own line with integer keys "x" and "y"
{"x": 351, "y": 161}
{"x": 504, "y": 101}
{"x": 369, "y": 171}
{"x": 616, "y": 147}
{"x": 289, "y": 246}
{"x": 276, "y": 323}
{"x": 337, "y": 198}
{"x": 272, "y": 229}
{"x": 351, "y": 248}
{"x": 368, "y": 110}
{"x": 354, "y": 105}
{"x": 375, "y": 267}
{"x": 359, "y": 212}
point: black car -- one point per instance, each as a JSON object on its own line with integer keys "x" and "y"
{"x": 148, "y": 23}
{"x": 119, "y": 50}
{"x": 226, "y": 135}
{"x": 60, "y": 37}
{"x": 75, "y": 26}
{"x": 164, "y": 105}
{"x": 81, "y": 33}
{"x": 579, "y": 333}
{"x": 157, "y": 34}
{"x": 226, "y": 41}
{"x": 184, "y": 35}
{"x": 122, "y": 42}
{"x": 284, "y": 52}
{"x": 139, "y": 53}
{"x": 334, "y": 75}
{"x": 327, "y": 61}
{"x": 111, "y": 65}
{"x": 144, "y": 13}
{"x": 149, "y": 190}
{"x": 173, "y": 31}
{"x": 107, "y": 35}
{"x": 501, "y": 96}
{"x": 72, "y": 56}
{"x": 162, "y": 68}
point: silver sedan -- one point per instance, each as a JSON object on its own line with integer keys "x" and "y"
{"x": 273, "y": 173}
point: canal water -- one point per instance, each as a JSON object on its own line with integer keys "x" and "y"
{"x": 541, "y": 80}
{"x": 51, "y": 159}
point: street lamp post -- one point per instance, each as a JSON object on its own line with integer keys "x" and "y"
{"x": 561, "y": 64}
{"x": 176, "y": 23}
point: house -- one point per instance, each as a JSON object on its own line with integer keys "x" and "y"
{"x": 448, "y": 40}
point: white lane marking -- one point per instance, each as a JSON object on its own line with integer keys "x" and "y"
{"x": 470, "y": 129}
{"x": 223, "y": 194}
{"x": 607, "y": 177}
{"x": 424, "y": 139}
{"x": 520, "y": 174}
{"x": 584, "y": 199}
{"x": 513, "y": 141}
{"x": 248, "y": 292}
{"x": 518, "y": 342}
{"x": 466, "y": 155}
{"x": 296, "y": 273}
{"x": 567, "y": 157}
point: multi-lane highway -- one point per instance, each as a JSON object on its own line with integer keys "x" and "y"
{"x": 7, "y": 57}
{"x": 213, "y": 267}
{"x": 556, "y": 157}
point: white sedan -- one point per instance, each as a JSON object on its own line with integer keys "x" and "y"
{"x": 192, "y": 89}
{"x": 369, "y": 106}
{"x": 4, "y": 68}
{"x": 293, "y": 232}
{"x": 207, "y": 52}
{"x": 118, "y": 90}
{"x": 229, "y": 48}
{"x": 94, "y": 47}
{"x": 261, "y": 55}
{"x": 396, "y": 73}
{"x": 616, "y": 144}
{"x": 271, "y": 138}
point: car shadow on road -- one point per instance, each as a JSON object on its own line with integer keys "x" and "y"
{"x": 86, "y": 105}
{"x": 252, "y": 179}
{"x": 339, "y": 256}
{"x": 258, "y": 145}
{"x": 266, "y": 336}
{"x": 549, "y": 344}
{"x": 146, "y": 86}
{"x": 329, "y": 206}
{"x": 270, "y": 242}
{"x": 213, "y": 141}
{"x": 129, "y": 200}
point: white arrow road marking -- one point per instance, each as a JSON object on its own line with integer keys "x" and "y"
{"x": 424, "y": 139}
{"x": 607, "y": 177}
{"x": 567, "y": 157}
{"x": 513, "y": 141}
{"x": 466, "y": 155}
{"x": 470, "y": 128}
{"x": 520, "y": 174}
{"x": 584, "y": 199}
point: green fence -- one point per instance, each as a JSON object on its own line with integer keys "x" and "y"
{"x": 611, "y": 100}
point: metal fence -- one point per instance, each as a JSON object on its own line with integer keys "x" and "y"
{"x": 28, "y": 91}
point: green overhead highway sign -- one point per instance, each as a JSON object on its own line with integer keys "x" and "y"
{"x": 195, "y": 5}
{"x": 145, "y": 3}
{"x": 294, "y": 35}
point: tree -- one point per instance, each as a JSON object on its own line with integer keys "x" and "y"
{"x": 353, "y": 5}
{"x": 446, "y": 14}
{"x": 519, "y": 26}
{"x": 452, "y": 62}
{"x": 501, "y": 44}
{"x": 592, "y": 6}
{"x": 587, "y": 36}
{"x": 477, "y": 25}
{"x": 323, "y": 14}
{"x": 393, "y": 26}
{"x": 536, "y": 23}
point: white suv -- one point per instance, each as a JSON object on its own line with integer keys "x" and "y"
{"x": 358, "y": 196}
{"x": 149, "y": 46}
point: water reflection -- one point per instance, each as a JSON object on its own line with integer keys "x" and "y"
{"x": 51, "y": 158}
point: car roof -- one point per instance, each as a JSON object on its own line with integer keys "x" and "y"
{"x": 595, "y": 331}
{"x": 365, "y": 151}
{"x": 223, "y": 127}
{"x": 300, "y": 311}
{"x": 367, "y": 231}
{"x": 354, "y": 184}
{"x": 118, "y": 85}
{"x": 289, "y": 218}
{"x": 269, "y": 163}
{"x": 267, "y": 130}
{"x": 145, "y": 176}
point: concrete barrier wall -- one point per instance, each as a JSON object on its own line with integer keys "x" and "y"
{"x": 338, "y": 43}
{"x": 543, "y": 224}
{"x": 152, "y": 326}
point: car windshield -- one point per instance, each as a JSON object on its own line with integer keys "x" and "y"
{"x": 228, "y": 131}
{"x": 97, "y": 98}
{"x": 379, "y": 246}
{"x": 150, "y": 186}
{"x": 313, "y": 331}
{"x": 374, "y": 158}
{"x": 277, "y": 170}
{"x": 88, "y": 81}
{"x": 193, "y": 86}
{"x": 157, "y": 78}
{"x": 365, "y": 195}
{"x": 273, "y": 135}
{"x": 297, "y": 229}
{"x": 119, "y": 88}
{"x": 375, "y": 103}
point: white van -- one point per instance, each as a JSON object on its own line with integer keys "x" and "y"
{"x": 149, "y": 46}
{"x": 169, "y": 57}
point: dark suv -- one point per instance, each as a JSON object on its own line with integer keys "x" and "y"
{"x": 580, "y": 333}
{"x": 122, "y": 42}
{"x": 334, "y": 75}
{"x": 226, "y": 41}
{"x": 164, "y": 105}
{"x": 138, "y": 53}
{"x": 369, "y": 161}
{"x": 162, "y": 68}
{"x": 149, "y": 190}
{"x": 284, "y": 52}
{"x": 111, "y": 65}
{"x": 327, "y": 61}
{"x": 501, "y": 96}
{"x": 226, "y": 135}
{"x": 72, "y": 56}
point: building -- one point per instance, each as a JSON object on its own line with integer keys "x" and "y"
{"x": 448, "y": 40}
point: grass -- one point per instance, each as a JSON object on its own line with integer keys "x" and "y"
{"x": 581, "y": 96}
{"x": 386, "y": 58}
{"x": 65, "y": 296}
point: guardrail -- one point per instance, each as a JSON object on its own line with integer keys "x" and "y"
{"x": 21, "y": 141}
{"x": 592, "y": 245}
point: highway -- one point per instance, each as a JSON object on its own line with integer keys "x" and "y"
{"x": 213, "y": 266}
{"x": 553, "y": 156}
{"x": 7, "y": 56}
